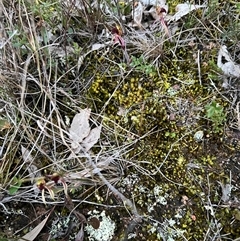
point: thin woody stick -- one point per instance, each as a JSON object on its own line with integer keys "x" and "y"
{"x": 125, "y": 200}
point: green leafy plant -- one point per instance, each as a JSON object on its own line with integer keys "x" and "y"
{"x": 16, "y": 185}
{"x": 215, "y": 113}
{"x": 47, "y": 11}
{"x": 141, "y": 64}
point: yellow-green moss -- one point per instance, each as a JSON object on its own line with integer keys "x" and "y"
{"x": 179, "y": 164}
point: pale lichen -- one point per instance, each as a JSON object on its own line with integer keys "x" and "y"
{"x": 105, "y": 232}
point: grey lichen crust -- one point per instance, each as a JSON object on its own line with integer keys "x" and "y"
{"x": 106, "y": 229}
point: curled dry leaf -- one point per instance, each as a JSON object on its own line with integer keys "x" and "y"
{"x": 137, "y": 14}
{"x": 97, "y": 46}
{"x": 80, "y": 133}
{"x": 80, "y": 128}
{"x": 226, "y": 191}
{"x": 80, "y": 234}
{"x": 229, "y": 68}
{"x": 185, "y": 8}
{"x": 92, "y": 138}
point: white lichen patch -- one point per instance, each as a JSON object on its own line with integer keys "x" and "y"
{"x": 61, "y": 226}
{"x": 105, "y": 231}
{"x": 167, "y": 230}
{"x": 160, "y": 196}
{"x": 143, "y": 189}
{"x": 130, "y": 180}
{"x": 169, "y": 233}
{"x": 157, "y": 196}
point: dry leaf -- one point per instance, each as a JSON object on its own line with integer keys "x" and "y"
{"x": 31, "y": 168}
{"x": 27, "y": 157}
{"x": 80, "y": 234}
{"x": 226, "y": 191}
{"x": 137, "y": 14}
{"x": 229, "y": 68}
{"x": 80, "y": 127}
{"x": 92, "y": 138}
{"x": 80, "y": 133}
{"x": 185, "y": 8}
{"x": 97, "y": 46}
{"x": 34, "y": 232}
